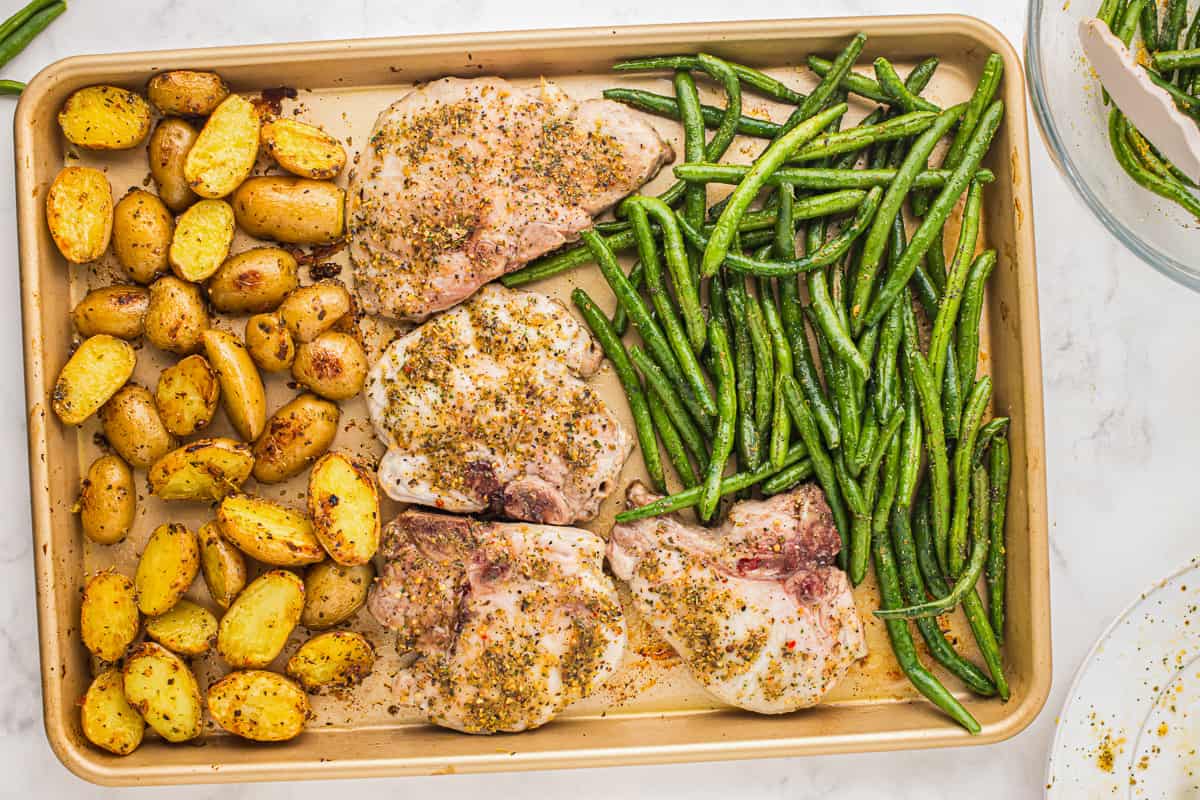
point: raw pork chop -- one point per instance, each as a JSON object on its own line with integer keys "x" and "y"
{"x": 484, "y": 409}
{"x": 506, "y": 623}
{"x": 754, "y": 608}
{"x": 465, "y": 180}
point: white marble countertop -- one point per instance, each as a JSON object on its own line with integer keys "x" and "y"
{"x": 1122, "y": 431}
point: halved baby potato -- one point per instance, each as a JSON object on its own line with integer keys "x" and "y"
{"x": 296, "y": 435}
{"x": 334, "y": 593}
{"x": 107, "y": 501}
{"x": 187, "y": 92}
{"x": 141, "y": 236}
{"x": 222, "y": 564}
{"x": 166, "y": 569}
{"x": 164, "y": 691}
{"x": 206, "y": 469}
{"x": 258, "y": 705}
{"x": 108, "y": 616}
{"x": 202, "y": 238}
{"x": 107, "y": 719}
{"x": 303, "y": 149}
{"x": 333, "y": 660}
{"x": 115, "y": 310}
{"x": 269, "y": 532}
{"x": 79, "y": 212}
{"x": 168, "y": 149}
{"x": 187, "y": 629}
{"x": 293, "y": 210}
{"x": 254, "y": 281}
{"x": 257, "y": 626}
{"x": 242, "y": 392}
{"x": 187, "y": 395}
{"x": 344, "y": 505}
{"x": 133, "y": 427}
{"x": 105, "y": 118}
{"x": 311, "y": 310}
{"x": 177, "y": 317}
{"x": 270, "y": 343}
{"x": 224, "y": 152}
{"x": 94, "y": 372}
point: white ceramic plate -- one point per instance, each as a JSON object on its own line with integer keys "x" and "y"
{"x": 1131, "y": 724}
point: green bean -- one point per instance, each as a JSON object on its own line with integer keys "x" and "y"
{"x": 828, "y": 321}
{"x": 1168, "y": 60}
{"x": 688, "y": 430}
{"x": 910, "y": 445}
{"x": 564, "y": 260}
{"x": 866, "y": 345}
{"x": 17, "y": 40}
{"x": 11, "y": 87}
{"x": 1149, "y": 26}
{"x": 1129, "y": 20}
{"x": 672, "y": 444}
{"x": 784, "y": 246}
{"x": 891, "y": 84}
{"x": 825, "y": 179}
{"x": 981, "y": 99}
{"x": 841, "y": 389}
{"x": 856, "y": 501}
{"x": 862, "y": 85}
{"x": 610, "y": 343}
{"x": 868, "y": 437}
{"x": 993, "y": 428}
{"x": 686, "y": 290}
{"x": 866, "y": 520}
{"x": 723, "y": 440}
{"x": 781, "y": 425}
{"x": 997, "y": 569}
{"x": 787, "y": 477}
{"x": 764, "y": 365}
{"x": 1187, "y": 103}
{"x": 804, "y": 365}
{"x": 921, "y": 75}
{"x": 693, "y": 142}
{"x": 952, "y": 398}
{"x": 926, "y": 545}
{"x": 748, "y": 442}
{"x": 620, "y": 319}
{"x": 985, "y": 639}
{"x": 885, "y": 362}
{"x": 1188, "y": 77}
{"x": 1170, "y": 189}
{"x": 825, "y": 88}
{"x": 10, "y": 25}
{"x": 947, "y": 313}
{"x": 963, "y": 458}
{"x": 854, "y": 139}
{"x": 748, "y": 75}
{"x": 665, "y": 106}
{"x": 967, "y": 339}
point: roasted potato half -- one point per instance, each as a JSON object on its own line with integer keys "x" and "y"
{"x": 108, "y": 616}
{"x": 108, "y": 721}
{"x": 206, "y": 470}
{"x": 166, "y": 569}
{"x": 242, "y": 392}
{"x": 107, "y": 501}
{"x": 303, "y": 149}
{"x": 296, "y": 435}
{"x": 257, "y": 626}
{"x": 333, "y": 660}
{"x": 176, "y": 317}
{"x": 186, "y": 92}
{"x": 186, "y": 395}
{"x": 333, "y": 365}
{"x": 344, "y": 505}
{"x": 201, "y": 242}
{"x": 79, "y": 212}
{"x": 133, "y": 427}
{"x": 268, "y": 532}
{"x": 270, "y": 343}
{"x": 94, "y": 372}
{"x": 168, "y": 149}
{"x": 311, "y": 310}
{"x": 254, "y": 281}
{"x": 115, "y": 310}
{"x": 222, "y": 564}
{"x": 258, "y": 705}
{"x": 334, "y": 593}
{"x": 104, "y": 118}
{"x": 164, "y": 691}
{"x": 293, "y": 210}
{"x": 187, "y": 629}
{"x": 224, "y": 153}
{"x": 142, "y": 228}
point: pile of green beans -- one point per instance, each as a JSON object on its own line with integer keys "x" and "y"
{"x": 779, "y": 340}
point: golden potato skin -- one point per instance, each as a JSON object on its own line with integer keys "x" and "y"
{"x": 311, "y": 310}
{"x": 164, "y": 691}
{"x": 224, "y": 153}
{"x": 333, "y": 660}
{"x": 107, "y": 501}
{"x": 176, "y": 318}
{"x": 187, "y": 395}
{"x": 107, "y": 719}
{"x": 134, "y": 428}
{"x": 334, "y": 593}
{"x": 303, "y": 149}
{"x": 108, "y": 616}
{"x": 104, "y": 118}
{"x": 142, "y": 228}
{"x": 344, "y": 505}
{"x": 94, "y": 372}
{"x": 187, "y": 629}
{"x": 79, "y": 213}
{"x": 257, "y": 626}
{"x": 296, "y": 435}
{"x": 254, "y": 281}
{"x": 168, "y": 149}
{"x": 242, "y": 392}
{"x": 222, "y": 564}
{"x": 270, "y": 343}
{"x": 201, "y": 241}
{"x": 269, "y": 532}
{"x": 258, "y": 705}
{"x": 166, "y": 569}
{"x": 292, "y": 210}
{"x": 205, "y": 470}
{"x": 186, "y": 92}
{"x": 332, "y": 365}
{"x": 114, "y": 310}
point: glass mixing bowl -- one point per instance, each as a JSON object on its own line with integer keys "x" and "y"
{"x": 1074, "y": 122}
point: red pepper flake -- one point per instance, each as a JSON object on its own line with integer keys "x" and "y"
{"x": 790, "y": 644}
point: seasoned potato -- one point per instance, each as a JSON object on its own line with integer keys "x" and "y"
{"x": 258, "y": 624}
{"x": 242, "y": 392}
{"x": 187, "y": 629}
{"x": 270, "y": 343}
{"x": 162, "y": 688}
{"x": 134, "y": 428}
{"x": 294, "y": 210}
{"x": 187, "y": 395}
{"x": 253, "y": 281}
{"x": 334, "y": 593}
{"x": 206, "y": 469}
{"x": 344, "y": 505}
{"x": 332, "y": 660}
{"x": 142, "y": 228}
{"x": 258, "y": 705}
{"x": 166, "y": 569}
{"x": 79, "y": 212}
{"x": 295, "y": 437}
{"x": 115, "y": 310}
{"x": 94, "y": 372}
{"x": 224, "y": 152}
{"x": 268, "y": 532}
{"x": 168, "y": 149}
{"x": 108, "y": 721}
{"x": 107, "y": 500}
{"x": 183, "y": 91}
{"x": 311, "y": 310}
{"x": 223, "y": 566}
{"x": 303, "y": 149}
{"x": 176, "y": 317}
{"x": 333, "y": 365}
{"x": 201, "y": 241}
{"x": 108, "y": 616}
{"x": 104, "y": 118}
